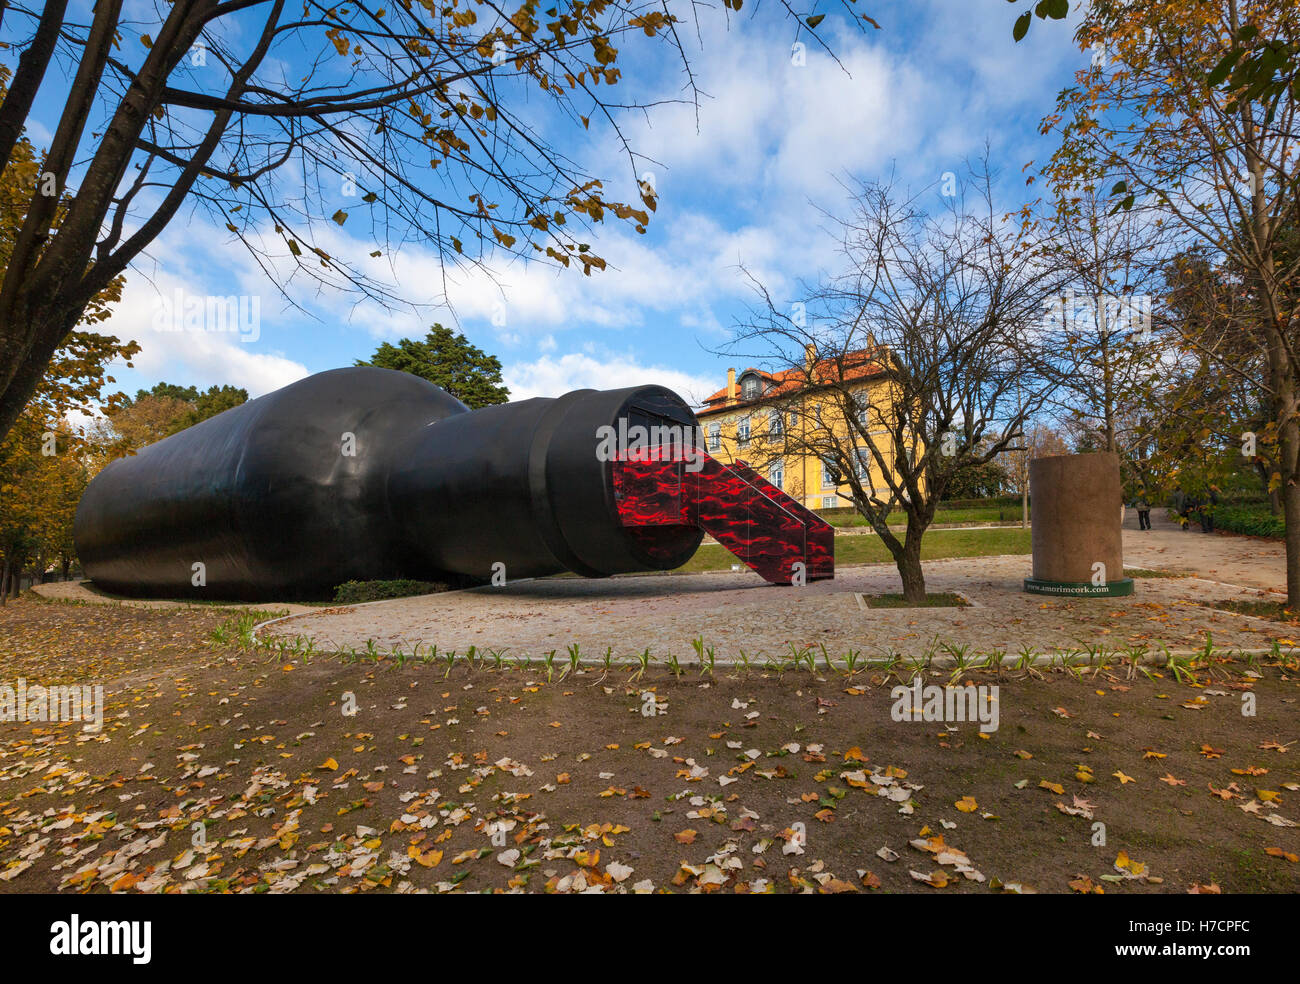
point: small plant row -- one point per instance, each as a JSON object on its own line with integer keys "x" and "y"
{"x": 938, "y": 656}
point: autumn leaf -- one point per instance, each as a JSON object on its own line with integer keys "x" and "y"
{"x": 1124, "y": 863}
{"x": 936, "y": 879}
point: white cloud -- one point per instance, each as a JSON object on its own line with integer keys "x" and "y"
{"x": 554, "y": 376}
{"x": 201, "y": 358}
{"x": 773, "y": 141}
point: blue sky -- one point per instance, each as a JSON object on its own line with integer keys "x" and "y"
{"x": 774, "y": 143}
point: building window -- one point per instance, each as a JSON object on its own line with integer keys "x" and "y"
{"x": 829, "y": 476}
{"x": 749, "y": 388}
{"x": 864, "y": 464}
{"x": 794, "y": 420}
{"x": 715, "y": 437}
{"x": 776, "y": 474}
{"x": 774, "y": 423}
{"x": 829, "y": 502}
{"x": 860, "y": 402}
{"x": 742, "y": 430}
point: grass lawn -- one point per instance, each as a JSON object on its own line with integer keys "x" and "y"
{"x": 1275, "y": 610}
{"x": 937, "y": 599}
{"x": 867, "y": 549}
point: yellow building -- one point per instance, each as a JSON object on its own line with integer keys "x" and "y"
{"x": 777, "y": 422}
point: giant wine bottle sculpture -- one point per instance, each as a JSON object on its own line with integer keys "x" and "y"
{"x": 364, "y": 473}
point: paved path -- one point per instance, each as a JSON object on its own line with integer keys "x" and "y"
{"x": 736, "y": 612}
{"x": 1246, "y": 560}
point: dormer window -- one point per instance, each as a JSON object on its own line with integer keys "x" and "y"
{"x": 750, "y": 388}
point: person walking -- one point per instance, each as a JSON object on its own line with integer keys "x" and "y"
{"x": 1144, "y": 512}
{"x": 1180, "y": 507}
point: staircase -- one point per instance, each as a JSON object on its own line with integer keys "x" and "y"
{"x": 765, "y": 528}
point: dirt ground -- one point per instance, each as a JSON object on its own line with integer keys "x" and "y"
{"x": 220, "y": 769}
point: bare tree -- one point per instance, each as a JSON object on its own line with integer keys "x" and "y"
{"x": 914, "y": 363}
{"x": 1105, "y": 357}
{"x": 1040, "y": 440}
{"x": 444, "y": 116}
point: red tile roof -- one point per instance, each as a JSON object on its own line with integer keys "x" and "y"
{"x": 856, "y": 365}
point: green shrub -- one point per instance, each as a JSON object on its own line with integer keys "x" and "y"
{"x": 355, "y": 592}
{"x": 1253, "y": 521}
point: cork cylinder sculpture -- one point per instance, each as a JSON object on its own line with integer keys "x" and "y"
{"x": 1077, "y": 544}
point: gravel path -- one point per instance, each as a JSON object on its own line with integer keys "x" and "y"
{"x": 1246, "y": 560}
{"x": 736, "y": 612}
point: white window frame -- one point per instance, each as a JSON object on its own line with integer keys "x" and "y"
{"x": 775, "y": 425}
{"x": 715, "y": 437}
{"x": 828, "y": 480}
{"x": 742, "y": 430}
{"x": 776, "y": 473}
{"x": 830, "y": 502}
{"x": 862, "y": 405}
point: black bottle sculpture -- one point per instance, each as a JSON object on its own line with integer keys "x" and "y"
{"x": 364, "y": 473}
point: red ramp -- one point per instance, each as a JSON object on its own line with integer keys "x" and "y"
{"x": 767, "y": 529}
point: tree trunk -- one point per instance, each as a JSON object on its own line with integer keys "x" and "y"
{"x": 909, "y": 569}
{"x": 4, "y": 582}
{"x": 1291, "y": 511}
